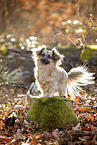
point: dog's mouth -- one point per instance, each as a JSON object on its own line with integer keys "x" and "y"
{"x": 45, "y": 60}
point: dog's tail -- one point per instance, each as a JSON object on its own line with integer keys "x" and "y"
{"x": 78, "y": 77}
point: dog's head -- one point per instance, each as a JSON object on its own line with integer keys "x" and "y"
{"x": 47, "y": 56}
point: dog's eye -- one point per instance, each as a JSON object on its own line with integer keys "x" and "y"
{"x": 49, "y": 56}
{"x": 43, "y": 54}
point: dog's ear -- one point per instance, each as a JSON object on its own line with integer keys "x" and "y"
{"x": 40, "y": 51}
{"x": 56, "y": 55}
{"x": 37, "y": 51}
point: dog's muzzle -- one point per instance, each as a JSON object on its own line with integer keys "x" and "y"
{"x": 45, "y": 60}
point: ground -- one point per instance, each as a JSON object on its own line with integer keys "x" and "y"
{"x": 18, "y": 131}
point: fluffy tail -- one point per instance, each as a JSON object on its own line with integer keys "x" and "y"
{"x": 78, "y": 77}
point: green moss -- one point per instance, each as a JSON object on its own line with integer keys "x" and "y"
{"x": 89, "y": 51}
{"x": 87, "y": 54}
{"x": 3, "y": 49}
{"x": 51, "y": 113}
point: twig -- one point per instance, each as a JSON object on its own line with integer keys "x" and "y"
{"x": 60, "y": 34}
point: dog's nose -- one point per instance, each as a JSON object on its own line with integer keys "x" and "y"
{"x": 45, "y": 60}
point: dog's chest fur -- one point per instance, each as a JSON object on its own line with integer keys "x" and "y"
{"x": 44, "y": 73}
{"x": 49, "y": 73}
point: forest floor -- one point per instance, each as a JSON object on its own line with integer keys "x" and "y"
{"x": 15, "y": 130}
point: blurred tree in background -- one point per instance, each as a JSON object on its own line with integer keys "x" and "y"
{"x": 46, "y": 18}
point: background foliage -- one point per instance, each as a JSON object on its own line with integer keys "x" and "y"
{"x": 46, "y": 18}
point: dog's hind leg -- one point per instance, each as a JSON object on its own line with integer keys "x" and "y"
{"x": 63, "y": 90}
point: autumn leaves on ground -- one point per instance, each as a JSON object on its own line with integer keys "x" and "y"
{"x": 14, "y": 129}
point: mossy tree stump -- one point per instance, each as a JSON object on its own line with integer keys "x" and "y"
{"x": 51, "y": 113}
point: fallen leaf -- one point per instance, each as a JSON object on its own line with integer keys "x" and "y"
{"x": 1, "y": 124}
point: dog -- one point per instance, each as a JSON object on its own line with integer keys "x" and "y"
{"x": 51, "y": 78}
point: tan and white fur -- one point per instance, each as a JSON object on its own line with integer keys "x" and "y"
{"x": 51, "y": 78}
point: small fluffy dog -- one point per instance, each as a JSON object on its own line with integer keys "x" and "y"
{"x": 51, "y": 78}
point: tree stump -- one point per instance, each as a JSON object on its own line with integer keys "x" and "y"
{"x": 52, "y": 113}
